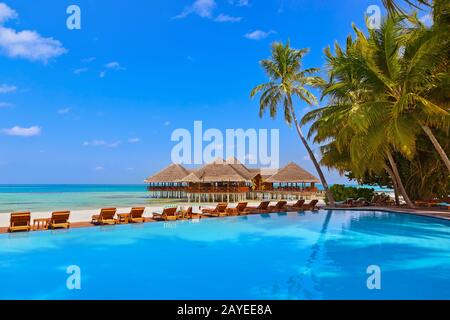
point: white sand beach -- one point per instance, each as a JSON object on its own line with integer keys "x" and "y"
{"x": 86, "y": 214}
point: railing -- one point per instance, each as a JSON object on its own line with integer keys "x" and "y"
{"x": 200, "y": 190}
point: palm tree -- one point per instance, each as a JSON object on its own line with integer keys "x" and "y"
{"x": 288, "y": 80}
{"x": 393, "y": 6}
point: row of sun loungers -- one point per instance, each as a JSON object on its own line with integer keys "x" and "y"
{"x": 21, "y": 221}
{"x": 264, "y": 207}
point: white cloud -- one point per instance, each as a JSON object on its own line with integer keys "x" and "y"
{"x": 26, "y": 44}
{"x": 427, "y": 20}
{"x": 64, "y": 110}
{"x": 202, "y": 8}
{"x": 101, "y": 143}
{"x": 114, "y": 65}
{"x": 130, "y": 169}
{"x": 167, "y": 123}
{"x": 134, "y": 140}
{"x": 80, "y": 70}
{"x": 240, "y": 3}
{"x": 99, "y": 168}
{"x": 258, "y": 34}
{"x": 226, "y": 18}
{"x": 23, "y": 132}
{"x": 6, "y": 88}
{"x": 6, "y": 105}
{"x": 6, "y": 13}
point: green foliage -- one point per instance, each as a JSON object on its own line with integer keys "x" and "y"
{"x": 341, "y": 192}
{"x": 385, "y": 88}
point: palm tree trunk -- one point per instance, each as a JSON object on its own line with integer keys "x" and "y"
{"x": 314, "y": 160}
{"x": 437, "y": 146}
{"x": 400, "y": 185}
{"x": 394, "y": 183}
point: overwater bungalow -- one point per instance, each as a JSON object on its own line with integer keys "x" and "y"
{"x": 232, "y": 181}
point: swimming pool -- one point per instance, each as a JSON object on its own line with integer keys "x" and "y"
{"x": 322, "y": 255}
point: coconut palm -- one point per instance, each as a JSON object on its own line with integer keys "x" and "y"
{"x": 393, "y": 6}
{"x": 287, "y": 80}
{"x": 396, "y": 76}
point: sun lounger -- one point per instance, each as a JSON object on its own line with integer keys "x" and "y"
{"x": 239, "y": 210}
{"x": 296, "y": 206}
{"x": 59, "y": 220}
{"x": 188, "y": 214}
{"x": 106, "y": 216}
{"x": 345, "y": 204}
{"x": 136, "y": 215}
{"x": 168, "y": 214}
{"x": 312, "y": 205}
{"x": 20, "y": 221}
{"x": 262, "y": 208}
{"x": 219, "y": 211}
{"x": 280, "y": 206}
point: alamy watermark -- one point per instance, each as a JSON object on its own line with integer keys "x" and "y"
{"x": 73, "y": 281}
{"x": 374, "y": 280}
{"x": 73, "y": 22}
{"x": 251, "y": 146}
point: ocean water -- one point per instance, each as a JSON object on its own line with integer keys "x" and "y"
{"x": 304, "y": 255}
{"x": 37, "y": 198}
{"x": 70, "y": 197}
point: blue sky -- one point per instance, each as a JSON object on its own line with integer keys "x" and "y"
{"x": 98, "y": 105}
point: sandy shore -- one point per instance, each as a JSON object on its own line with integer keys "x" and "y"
{"x": 83, "y": 215}
{"x": 86, "y": 214}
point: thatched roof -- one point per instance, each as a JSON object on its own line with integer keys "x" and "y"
{"x": 292, "y": 173}
{"x": 240, "y": 168}
{"x": 220, "y": 171}
{"x": 230, "y": 170}
{"x": 191, "y": 178}
{"x": 172, "y": 173}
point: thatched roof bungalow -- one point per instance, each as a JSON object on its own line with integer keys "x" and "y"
{"x": 227, "y": 178}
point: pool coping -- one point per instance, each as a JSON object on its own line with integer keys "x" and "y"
{"x": 436, "y": 214}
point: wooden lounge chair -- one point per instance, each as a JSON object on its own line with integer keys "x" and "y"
{"x": 59, "y": 220}
{"x": 219, "y": 211}
{"x": 361, "y": 202}
{"x": 262, "y": 208}
{"x": 106, "y": 216}
{"x": 312, "y": 205}
{"x": 239, "y": 210}
{"x": 296, "y": 206}
{"x": 136, "y": 215}
{"x": 168, "y": 214}
{"x": 20, "y": 221}
{"x": 279, "y": 206}
{"x": 188, "y": 214}
{"x": 346, "y": 203}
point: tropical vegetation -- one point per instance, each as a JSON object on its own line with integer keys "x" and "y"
{"x": 388, "y": 105}
{"x": 386, "y": 117}
{"x": 287, "y": 80}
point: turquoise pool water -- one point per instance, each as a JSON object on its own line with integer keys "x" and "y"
{"x": 321, "y": 255}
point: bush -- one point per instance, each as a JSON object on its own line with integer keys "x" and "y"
{"x": 341, "y": 192}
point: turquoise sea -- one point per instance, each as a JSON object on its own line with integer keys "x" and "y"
{"x": 70, "y": 197}
{"x": 37, "y": 198}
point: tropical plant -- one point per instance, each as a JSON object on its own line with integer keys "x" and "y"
{"x": 385, "y": 90}
{"x": 341, "y": 192}
{"x": 287, "y": 80}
